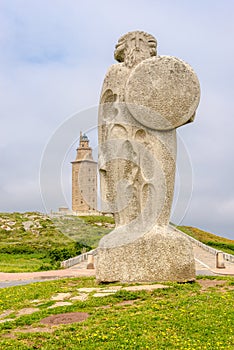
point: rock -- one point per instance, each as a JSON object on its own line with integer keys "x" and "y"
{"x": 6, "y": 313}
{"x": 60, "y": 303}
{"x": 27, "y": 311}
{"x": 100, "y": 295}
{"x": 87, "y": 290}
{"x": 61, "y": 296}
{"x": 81, "y": 297}
{"x": 7, "y": 320}
{"x": 149, "y": 287}
{"x": 27, "y": 225}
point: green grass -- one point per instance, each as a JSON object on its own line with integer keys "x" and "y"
{"x": 180, "y": 317}
{"x": 217, "y": 242}
{"x": 23, "y": 262}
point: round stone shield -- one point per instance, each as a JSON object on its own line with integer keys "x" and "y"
{"x": 162, "y": 92}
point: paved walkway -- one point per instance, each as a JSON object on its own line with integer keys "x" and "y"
{"x": 206, "y": 262}
{"x": 75, "y": 271}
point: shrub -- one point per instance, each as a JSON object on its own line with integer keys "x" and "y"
{"x": 60, "y": 254}
{"x": 17, "y": 249}
{"x": 221, "y": 246}
{"x": 49, "y": 266}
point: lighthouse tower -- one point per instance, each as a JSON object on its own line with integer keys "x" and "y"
{"x": 84, "y": 179}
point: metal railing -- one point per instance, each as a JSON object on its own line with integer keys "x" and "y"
{"x": 77, "y": 259}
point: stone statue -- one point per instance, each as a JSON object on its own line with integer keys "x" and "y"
{"x": 144, "y": 99}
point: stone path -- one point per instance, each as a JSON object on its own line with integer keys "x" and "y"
{"x": 67, "y": 299}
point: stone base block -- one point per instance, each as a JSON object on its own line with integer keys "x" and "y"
{"x": 155, "y": 257}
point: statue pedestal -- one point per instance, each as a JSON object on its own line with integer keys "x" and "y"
{"x": 159, "y": 255}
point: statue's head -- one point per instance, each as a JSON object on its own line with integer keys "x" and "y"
{"x": 135, "y": 47}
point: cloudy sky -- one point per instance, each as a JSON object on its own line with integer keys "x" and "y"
{"x": 54, "y": 55}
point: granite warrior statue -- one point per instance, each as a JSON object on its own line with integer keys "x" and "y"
{"x": 144, "y": 99}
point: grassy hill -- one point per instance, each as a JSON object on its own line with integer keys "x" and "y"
{"x": 217, "y": 242}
